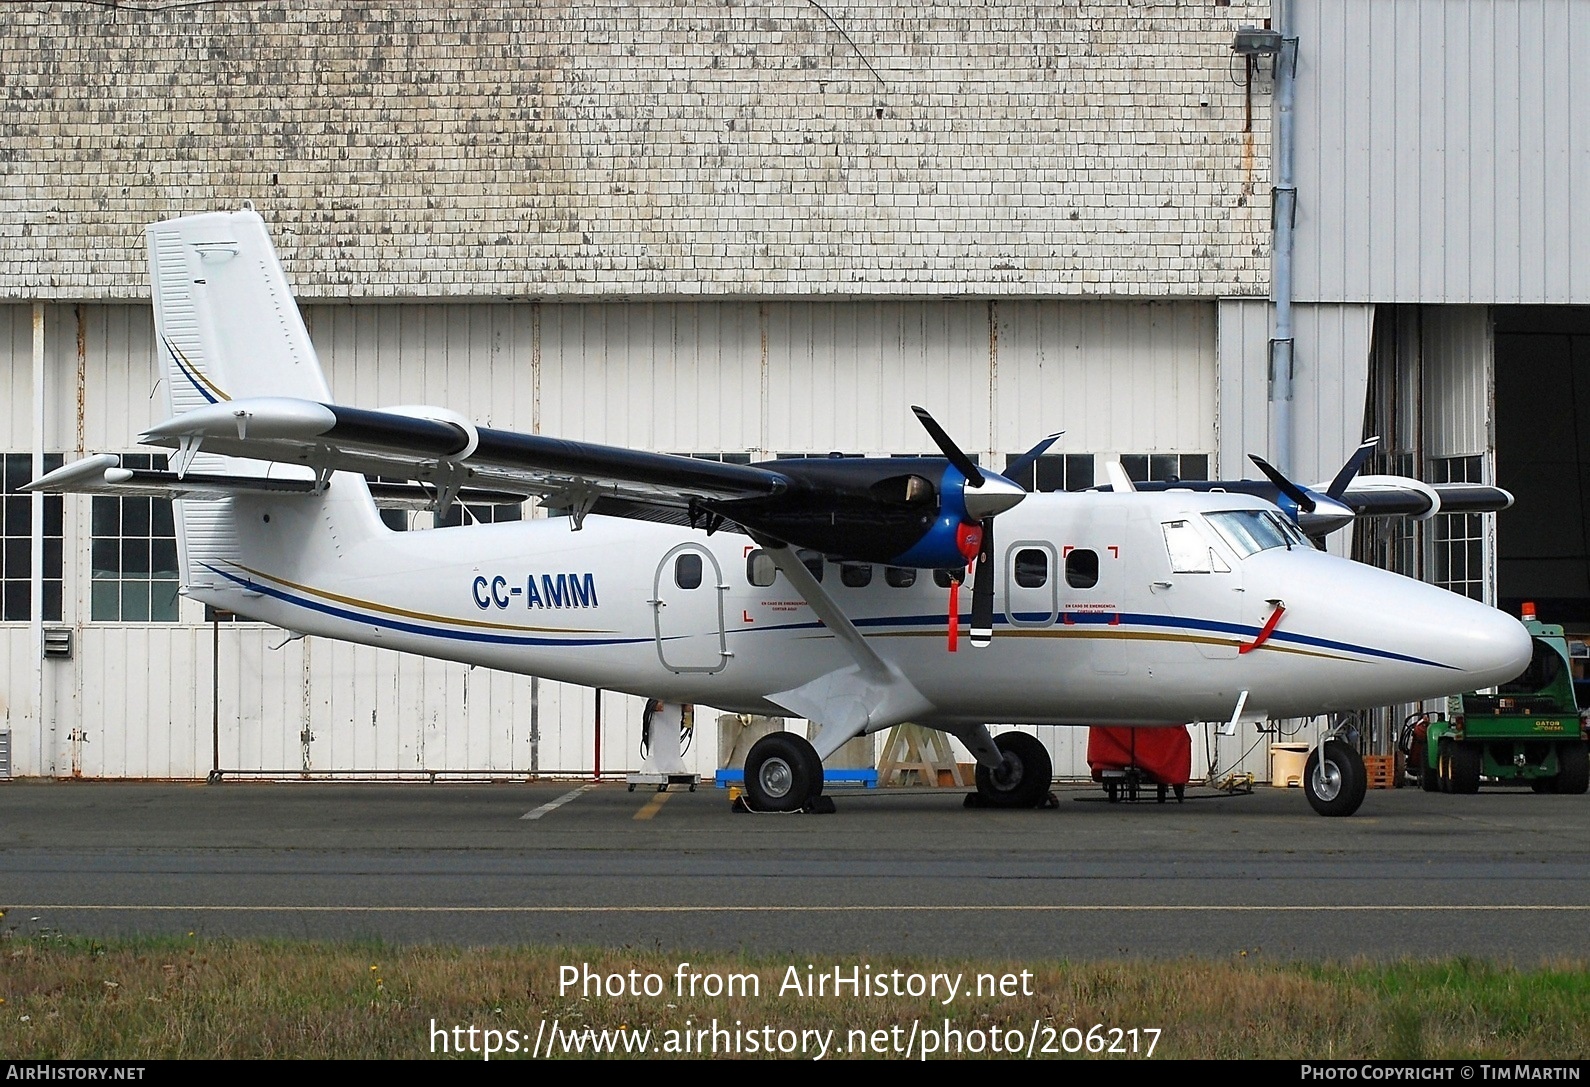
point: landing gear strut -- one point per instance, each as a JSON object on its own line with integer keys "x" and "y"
{"x": 1334, "y": 778}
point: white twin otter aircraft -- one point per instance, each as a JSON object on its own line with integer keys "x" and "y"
{"x": 807, "y": 587}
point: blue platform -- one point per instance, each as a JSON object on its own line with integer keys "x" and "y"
{"x": 867, "y": 779}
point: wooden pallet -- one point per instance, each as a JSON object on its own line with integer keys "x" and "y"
{"x": 1381, "y": 771}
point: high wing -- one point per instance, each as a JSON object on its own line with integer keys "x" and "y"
{"x": 1323, "y": 508}
{"x": 447, "y": 453}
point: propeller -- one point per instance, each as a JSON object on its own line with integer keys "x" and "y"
{"x": 985, "y": 496}
{"x": 1300, "y": 498}
{"x": 1318, "y": 515}
{"x": 1349, "y": 470}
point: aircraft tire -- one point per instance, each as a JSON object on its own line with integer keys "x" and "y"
{"x": 1031, "y": 775}
{"x": 1343, "y": 783}
{"x": 782, "y": 773}
{"x": 1573, "y": 768}
{"x": 1465, "y": 767}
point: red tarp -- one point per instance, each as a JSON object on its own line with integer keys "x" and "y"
{"x": 1163, "y": 754}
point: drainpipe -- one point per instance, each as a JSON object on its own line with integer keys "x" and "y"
{"x": 1283, "y": 214}
{"x": 46, "y": 744}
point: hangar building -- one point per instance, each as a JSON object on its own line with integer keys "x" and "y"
{"x": 753, "y": 228}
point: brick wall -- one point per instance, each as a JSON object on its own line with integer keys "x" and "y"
{"x": 507, "y": 148}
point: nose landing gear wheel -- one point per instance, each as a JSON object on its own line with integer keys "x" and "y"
{"x": 1023, "y": 780}
{"x": 782, "y": 773}
{"x": 1334, "y": 779}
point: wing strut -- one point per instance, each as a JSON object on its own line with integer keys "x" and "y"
{"x": 864, "y": 697}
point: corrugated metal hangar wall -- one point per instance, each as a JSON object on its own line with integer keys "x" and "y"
{"x": 719, "y": 377}
{"x": 725, "y": 229}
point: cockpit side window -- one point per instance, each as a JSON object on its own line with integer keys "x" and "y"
{"x": 1189, "y": 551}
{"x": 1247, "y": 532}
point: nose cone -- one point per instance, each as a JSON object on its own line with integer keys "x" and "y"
{"x": 1471, "y": 645}
{"x": 1490, "y": 646}
{"x": 1377, "y": 639}
{"x": 1328, "y": 516}
{"x": 995, "y": 496}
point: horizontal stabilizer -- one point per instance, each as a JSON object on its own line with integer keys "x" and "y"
{"x": 102, "y": 474}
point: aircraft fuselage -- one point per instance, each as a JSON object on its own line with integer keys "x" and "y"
{"x": 1123, "y": 609}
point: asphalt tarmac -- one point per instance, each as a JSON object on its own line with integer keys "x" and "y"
{"x": 1503, "y": 876}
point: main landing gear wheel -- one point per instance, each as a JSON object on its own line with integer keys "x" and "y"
{"x": 782, "y": 773}
{"x": 1023, "y": 779}
{"x": 1334, "y": 779}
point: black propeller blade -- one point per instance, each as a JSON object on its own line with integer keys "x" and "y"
{"x": 1288, "y": 488}
{"x": 983, "y": 589}
{"x": 952, "y": 452}
{"x": 1349, "y": 470}
{"x": 1014, "y": 469}
{"x": 989, "y": 500}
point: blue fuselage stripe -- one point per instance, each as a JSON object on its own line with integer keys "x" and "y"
{"x": 416, "y": 628}
{"x": 881, "y": 624}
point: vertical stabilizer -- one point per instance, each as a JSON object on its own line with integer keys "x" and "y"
{"x": 227, "y": 327}
{"x": 225, "y": 320}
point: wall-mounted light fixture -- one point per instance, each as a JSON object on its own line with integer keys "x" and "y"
{"x": 1256, "y": 41}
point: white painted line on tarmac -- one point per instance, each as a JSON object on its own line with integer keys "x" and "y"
{"x": 1444, "y": 908}
{"x": 553, "y": 805}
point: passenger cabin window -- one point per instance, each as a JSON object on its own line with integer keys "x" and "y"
{"x": 1082, "y": 568}
{"x": 899, "y": 577}
{"x": 813, "y": 561}
{"x": 855, "y": 575}
{"x": 1032, "y": 568}
{"x": 1189, "y": 552}
{"x": 687, "y": 571}
{"x": 760, "y": 570}
{"x": 942, "y": 578}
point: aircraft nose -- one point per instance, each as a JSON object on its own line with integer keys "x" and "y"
{"x": 1489, "y": 645}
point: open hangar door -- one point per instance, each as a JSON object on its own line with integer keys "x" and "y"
{"x": 1543, "y": 457}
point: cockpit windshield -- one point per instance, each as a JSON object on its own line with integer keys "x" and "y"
{"x": 1250, "y": 531}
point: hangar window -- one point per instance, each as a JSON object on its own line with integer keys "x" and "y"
{"x": 721, "y": 458}
{"x": 899, "y": 577}
{"x": 133, "y": 552}
{"x": 855, "y": 575}
{"x": 405, "y": 506}
{"x": 760, "y": 569}
{"x": 1032, "y": 568}
{"x": 479, "y": 513}
{"x": 1458, "y": 540}
{"x": 687, "y": 571}
{"x": 1166, "y": 467}
{"x": 1054, "y": 472}
{"x": 1082, "y": 568}
{"x": 16, "y": 542}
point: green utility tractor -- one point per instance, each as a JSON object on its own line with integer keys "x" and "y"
{"x": 1530, "y": 731}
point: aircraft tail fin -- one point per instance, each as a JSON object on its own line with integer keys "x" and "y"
{"x": 227, "y": 328}
{"x": 226, "y": 324}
